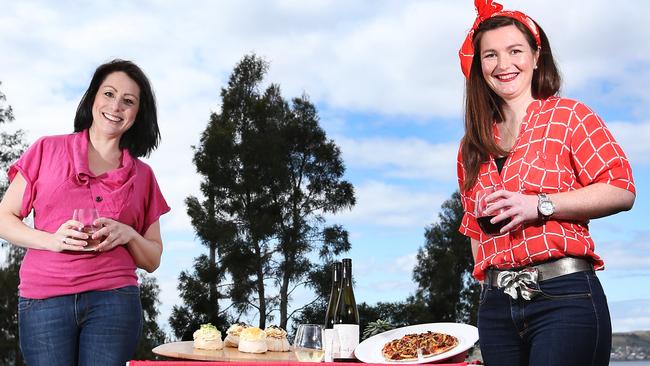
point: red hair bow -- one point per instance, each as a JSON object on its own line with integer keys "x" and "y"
{"x": 486, "y": 9}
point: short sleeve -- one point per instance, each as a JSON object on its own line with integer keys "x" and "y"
{"x": 29, "y": 166}
{"x": 157, "y": 206}
{"x": 468, "y": 226}
{"x": 597, "y": 156}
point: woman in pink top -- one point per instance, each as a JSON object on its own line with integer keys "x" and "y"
{"x": 81, "y": 306}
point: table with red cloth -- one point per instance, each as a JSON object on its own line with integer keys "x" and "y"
{"x": 258, "y": 363}
{"x": 184, "y": 354}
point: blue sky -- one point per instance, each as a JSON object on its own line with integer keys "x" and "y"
{"x": 386, "y": 80}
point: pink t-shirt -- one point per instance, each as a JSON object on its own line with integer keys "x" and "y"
{"x": 58, "y": 181}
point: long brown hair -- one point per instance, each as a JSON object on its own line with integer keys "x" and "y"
{"x": 483, "y": 106}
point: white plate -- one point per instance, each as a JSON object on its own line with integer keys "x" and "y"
{"x": 369, "y": 351}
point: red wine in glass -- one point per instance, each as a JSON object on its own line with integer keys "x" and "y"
{"x": 490, "y": 228}
{"x": 87, "y": 217}
{"x": 483, "y": 219}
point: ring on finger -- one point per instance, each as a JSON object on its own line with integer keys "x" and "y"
{"x": 63, "y": 240}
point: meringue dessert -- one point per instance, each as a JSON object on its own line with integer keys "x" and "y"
{"x": 232, "y": 334}
{"x": 276, "y": 339}
{"x": 208, "y": 337}
{"x": 252, "y": 340}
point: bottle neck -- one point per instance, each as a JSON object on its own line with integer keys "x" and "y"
{"x": 346, "y": 277}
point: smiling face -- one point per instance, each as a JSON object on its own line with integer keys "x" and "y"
{"x": 507, "y": 62}
{"x": 116, "y": 105}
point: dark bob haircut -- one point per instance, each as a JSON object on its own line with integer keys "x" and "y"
{"x": 143, "y": 136}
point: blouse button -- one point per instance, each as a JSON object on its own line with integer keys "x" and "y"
{"x": 98, "y": 198}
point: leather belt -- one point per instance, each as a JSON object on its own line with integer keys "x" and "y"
{"x": 518, "y": 280}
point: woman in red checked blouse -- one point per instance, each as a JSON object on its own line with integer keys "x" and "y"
{"x": 556, "y": 166}
{"x": 79, "y": 306}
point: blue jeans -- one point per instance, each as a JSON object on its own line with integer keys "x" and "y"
{"x": 89, "y": 328}
{"x": 566, "y": 324}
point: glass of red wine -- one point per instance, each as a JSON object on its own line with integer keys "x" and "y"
{"x": 484, "y": 219}
{"x": 87, "y": 217}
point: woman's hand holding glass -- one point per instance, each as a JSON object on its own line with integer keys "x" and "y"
{"x": 86, "y": 231}
{"x": 114, "y": 233}
{"x": 70, "y": 236}
{"x": 503, "y": 205}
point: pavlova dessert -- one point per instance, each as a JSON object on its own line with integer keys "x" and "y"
{"x": 252, "y": 340}
{"x": 232, "y": 334}
{"x": 208, "y": 337}
{"x": 276, "y": 339}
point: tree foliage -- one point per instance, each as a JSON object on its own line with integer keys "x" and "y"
{"x": 152, "y": 335}
{"x": 444, "y": 267}
{"x": 269, "y": 175}
{"x": 9, "y": 342}
{"x": 446, "y": 291}
{"x": 12, "y": 146}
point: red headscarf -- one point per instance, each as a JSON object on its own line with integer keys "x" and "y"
{"x": 486, "y": 9}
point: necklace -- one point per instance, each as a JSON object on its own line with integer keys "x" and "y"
{"x": 508, "y": 137}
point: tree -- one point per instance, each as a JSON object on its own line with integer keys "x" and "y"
{"x": 269, "y": 175}
{"x": 13, "y": 146}
{"x": 152, "y": 335}
{"x": 199, "y": 307}
{"x": 9, "y": 342}
{"x": 444, "y": 268}
{"x": 314, "y": 169}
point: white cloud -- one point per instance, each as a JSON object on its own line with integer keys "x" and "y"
{"x": 633, "y": 138}
{"x": 387, "y": 205}
{"x": 409, "y": 158}
{"x": 626, "y": 255}
{"x": 631, "y": 315}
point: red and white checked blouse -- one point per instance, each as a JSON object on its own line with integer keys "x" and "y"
{"x": 562, "y": 146}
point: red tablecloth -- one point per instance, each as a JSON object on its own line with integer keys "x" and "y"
{"x": 216, "y": 363}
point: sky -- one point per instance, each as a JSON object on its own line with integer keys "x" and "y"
{"x": 386, "y": 80}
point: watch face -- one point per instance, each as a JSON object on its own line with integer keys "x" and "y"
{"x": 546, "y": 208}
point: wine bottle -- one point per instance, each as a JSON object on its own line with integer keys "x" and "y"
{"x": 346, "y": 318}
{"x": 330, "y": 342}
{"x": 334, "y": 295}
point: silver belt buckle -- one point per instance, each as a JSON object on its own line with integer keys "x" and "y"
{"x": 515, "y": 283}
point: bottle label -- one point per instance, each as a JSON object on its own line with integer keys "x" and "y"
{"x": 331, "y": 345}
{"x": 348, "y": 339}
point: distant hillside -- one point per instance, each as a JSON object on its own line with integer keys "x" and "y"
{"x": 631, "y": 346}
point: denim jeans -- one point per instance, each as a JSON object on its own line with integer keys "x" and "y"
{"x": 566, "y": 324}
{"x": 89, "y": 328}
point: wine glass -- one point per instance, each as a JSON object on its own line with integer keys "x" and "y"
{"x": 483, "y": 219}
{"x": 308, "y": 344}
{"x": 87, "y": 217}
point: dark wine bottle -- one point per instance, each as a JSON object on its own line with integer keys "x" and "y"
{"x": 334, "y": 295}
{"x": 346, "y": 318}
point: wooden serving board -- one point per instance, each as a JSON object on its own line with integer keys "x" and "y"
{"x": 186, "y": 350}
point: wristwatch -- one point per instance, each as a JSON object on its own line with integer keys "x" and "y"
{"x": 545, "y": 207}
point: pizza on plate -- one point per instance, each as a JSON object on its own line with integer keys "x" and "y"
{"x": 426, "y": 344}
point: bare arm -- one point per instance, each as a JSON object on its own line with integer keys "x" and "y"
{"x": 590, "y": 202}
{"x": 14, "y": 230}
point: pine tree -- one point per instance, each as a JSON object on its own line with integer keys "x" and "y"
{"x": 12, "y": 146}
{"x": 444, "y": 269}
{"x": 269, "y": 175}
{"x": 152, "y": 335}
